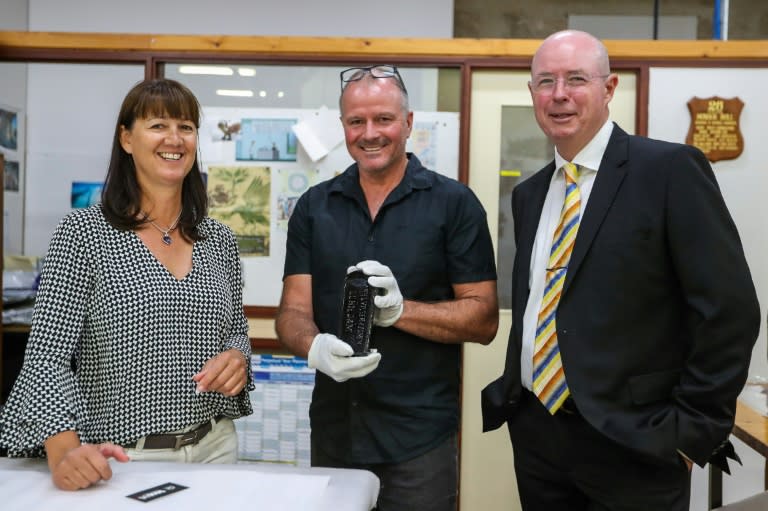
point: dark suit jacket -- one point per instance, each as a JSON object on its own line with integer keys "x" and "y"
{"x": 658, "y": 313}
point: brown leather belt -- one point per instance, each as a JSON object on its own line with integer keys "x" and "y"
{"x": 177, "y": 440}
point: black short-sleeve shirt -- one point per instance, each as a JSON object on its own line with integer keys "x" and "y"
{"x": 432, "y": 232}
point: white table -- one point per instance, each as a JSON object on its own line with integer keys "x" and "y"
{"x": 25, "y": 485}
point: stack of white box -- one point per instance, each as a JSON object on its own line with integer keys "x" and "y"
{"x": 279, "y": 428}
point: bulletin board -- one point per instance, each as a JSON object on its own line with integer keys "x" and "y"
{"x": 257, "y": 167}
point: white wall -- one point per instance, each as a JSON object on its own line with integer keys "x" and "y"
{"x": 13, "y": 14}
{"x": 743, "y": 182}
{"x": 13, "y": 95}
{"x": 353, "y": 18}
{"x": 69, "y": 137}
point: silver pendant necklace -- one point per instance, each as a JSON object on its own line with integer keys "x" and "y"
{"x": 165, "y": 232}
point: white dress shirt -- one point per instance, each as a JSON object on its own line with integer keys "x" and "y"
{"x": 589, "y": 159}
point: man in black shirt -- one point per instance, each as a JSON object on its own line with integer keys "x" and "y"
{"x": 422, "y": 239}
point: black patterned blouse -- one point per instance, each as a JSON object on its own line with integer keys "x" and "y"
{"x": 116, "y": 338}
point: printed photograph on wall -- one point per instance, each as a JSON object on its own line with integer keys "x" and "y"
{"x": 85, "y": 194}
{"x": 9, "y": 127}
{"x": 423, "y": 143}
{"x": 239, "y": 196}
{"x": 226, "y": 130}
{"x": 291, "y": 184}
{"x": 11, "y": 176}
{"x": 266, "y": 140}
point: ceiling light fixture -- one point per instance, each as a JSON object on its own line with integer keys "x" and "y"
{"x": 241, "y": 93}
{"x": 246, "y": 71}
{"x": 206, "y": 70}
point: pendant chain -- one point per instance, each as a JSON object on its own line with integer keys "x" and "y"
{"x": 165, "y": 232}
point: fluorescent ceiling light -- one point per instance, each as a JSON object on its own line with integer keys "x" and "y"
{"x": 235, "y": 92}
{"x": 206, "y": 70}
{"x": 246, "y": 71}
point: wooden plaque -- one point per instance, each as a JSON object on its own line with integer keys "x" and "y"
{"x": 715, "y": 127}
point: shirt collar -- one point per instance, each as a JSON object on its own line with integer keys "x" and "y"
{"x": 592, "y": 154}
{"x": 415, "y": 177}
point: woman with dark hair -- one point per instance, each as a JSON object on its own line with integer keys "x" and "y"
{"x": 139, "y": 346}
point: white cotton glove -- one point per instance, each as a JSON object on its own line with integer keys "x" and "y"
{"x": 332, "y": 356}
{"x": 389, "y": 305}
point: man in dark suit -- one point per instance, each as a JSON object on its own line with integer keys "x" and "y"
{"x": 631, "y": 338}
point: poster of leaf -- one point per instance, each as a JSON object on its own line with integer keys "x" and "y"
{"x": 239, "y": 196}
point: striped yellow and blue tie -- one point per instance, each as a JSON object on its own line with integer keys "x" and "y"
{"x": 548, "y": 378}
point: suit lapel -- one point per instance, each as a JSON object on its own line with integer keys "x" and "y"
{"x": 607, "y": 181}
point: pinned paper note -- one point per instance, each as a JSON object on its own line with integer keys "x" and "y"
{"x": 319, "y": 134}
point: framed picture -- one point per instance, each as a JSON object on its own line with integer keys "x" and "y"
{"x": 9, "y": 129}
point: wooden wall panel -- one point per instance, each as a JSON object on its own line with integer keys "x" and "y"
{"x": 341, "y": 46}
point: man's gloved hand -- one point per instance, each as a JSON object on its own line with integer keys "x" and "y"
{"x": 332, "y": 356}
{"x": 389, "y": 305}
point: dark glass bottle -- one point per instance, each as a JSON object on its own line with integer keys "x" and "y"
{"x": 357, "y": 312}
